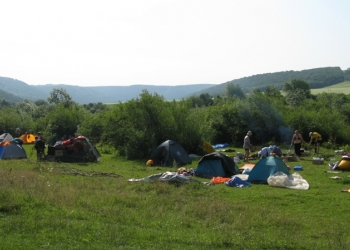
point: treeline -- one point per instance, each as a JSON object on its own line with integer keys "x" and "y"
{"x": 317, "y": 78}
{"x": 136, "y": 127}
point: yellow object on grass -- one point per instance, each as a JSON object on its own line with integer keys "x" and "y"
{"x": 208, "y": 148}
{"x": 344, "y": 164}
{"x": 149, "y": 163}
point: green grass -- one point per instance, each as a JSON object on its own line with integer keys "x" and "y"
{"x": 343, "y": 87}
{"x": 49, "y": 206}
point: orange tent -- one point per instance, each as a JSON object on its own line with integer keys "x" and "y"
{"x": 27, "y": 138}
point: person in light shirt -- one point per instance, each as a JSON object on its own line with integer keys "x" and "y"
{"x": 265, "y": 152}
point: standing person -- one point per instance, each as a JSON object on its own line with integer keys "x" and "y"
{"x": 247, "y": 145}
{"x": 315, "y": 139}
{"x": 297, "y": 139}
{"x": 39, "y": 146}
{"x": 17, "y": 132}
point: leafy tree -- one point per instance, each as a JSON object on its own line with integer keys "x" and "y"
{"x": 4, "y": 103}
{"x": 60, "y": 96}
{"x": 196, "y": 101}
{"x": 271, "y": 91}
{"x": 207, "y": 99}
{"x": 26, "y": 106}
{"x": 41, "y": 102}
{"x": 95, "y": 107}
{"x": 222, "y": 123}
{"x": 234, "y": 90}
{"x": 260, "y": 117}
{"x": 93, "y": 125}
{"x": 201, "y": 100}
{"x": 61, "y": 121}
{"x": 10, "y": 119}
{"x": 296, "y": 91}
{"x": 136, "y": 127}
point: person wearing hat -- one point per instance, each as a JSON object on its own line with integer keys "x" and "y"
{"x": 297, "y": 139}
{"x": 247, "y": 145}
{"x": 315, "y": 139}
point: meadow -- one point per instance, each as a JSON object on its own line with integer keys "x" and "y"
{"x": 340, "y": 88}
{"x": 53, "y": 205}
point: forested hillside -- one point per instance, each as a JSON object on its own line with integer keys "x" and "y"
{"x": 317, "y": 78}
{"x": 8, "y": 97}
{"x": 19, "y": 89}
{"x": 115, "y": 94}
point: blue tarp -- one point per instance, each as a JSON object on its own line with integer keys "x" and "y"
{"x": 224, "y": 145}
{"x": 235, "y": 181}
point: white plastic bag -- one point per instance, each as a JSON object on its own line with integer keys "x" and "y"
{"x": 294, "y": 181}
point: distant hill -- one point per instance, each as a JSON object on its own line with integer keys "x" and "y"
{"x": 83, "y": 95}
{"x": 114, "y": 94}
{"x": 19, "y": 89}
{"x": 317, "y": 78}
{"x": 9, "y": 97}
{"x": 14, "y": 90}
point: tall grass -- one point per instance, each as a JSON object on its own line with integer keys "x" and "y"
{"x": 44, "y": 205}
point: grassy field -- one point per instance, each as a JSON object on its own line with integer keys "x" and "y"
{"x": 343, "y": 87}
{"x": 94, "y": 206}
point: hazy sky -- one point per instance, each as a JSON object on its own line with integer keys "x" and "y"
{"x": 168, "y": 42}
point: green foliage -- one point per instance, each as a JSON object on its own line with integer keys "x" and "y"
{"x": 62, "y": 121}
{"x": 60, "y": 96}
{"x": 317, "y": 78}
{"x": 223, "y": 123}
{"x": 92, "y": 126}
{"x": 234, "y": 90}
{"x": 4, "y": 103}
{"x": 10, "y": 119}
{"x": 95, "y": 107}
{"x": 260, "y": 117}
{"x": 41, "y": 102}
{"x": 296, "y": 91}
{"x": 273, "y": 92}
{"x": 136, "y": 127}
{"x": 347, "y": 74}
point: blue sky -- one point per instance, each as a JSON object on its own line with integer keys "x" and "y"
{"x": 168, "y": 42}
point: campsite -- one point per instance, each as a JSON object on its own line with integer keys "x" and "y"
{"x": 125, "y": 195}
{"x": 60, "y": 205}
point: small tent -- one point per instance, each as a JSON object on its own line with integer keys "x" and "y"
{"x": 27, "y": 138}
{"x": 78, "y": 149}
{"x": 266, "y": 167}
{"x": 169, "y": 152}
{"x": 11, "y": 150}
{"x": 344, "y": 163}
{"x": 5, "y": 137}
{"x": 216, "y": 164}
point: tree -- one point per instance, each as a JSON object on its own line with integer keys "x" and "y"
{"x": 41, "y": 102}
{"x": 61, "y": 121}
{"x": 60, "y": 96}
{"x": 296, "y": 91}
{"x": 234, "y": 91}
{"x": 271, "y": 91}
